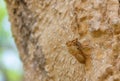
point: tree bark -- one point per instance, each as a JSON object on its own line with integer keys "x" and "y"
{"x": 67, "y": 40}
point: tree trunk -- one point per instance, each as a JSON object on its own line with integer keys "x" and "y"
{"x": 67, "y": 40}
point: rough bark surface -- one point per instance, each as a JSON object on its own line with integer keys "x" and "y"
{"x": 67, "y": 40}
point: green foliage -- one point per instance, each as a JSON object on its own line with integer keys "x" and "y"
{"x": 3, "y": 34}
{"x": 13, "y": 75}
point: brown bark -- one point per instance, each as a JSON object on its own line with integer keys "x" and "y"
{"x": 67, "y": 40}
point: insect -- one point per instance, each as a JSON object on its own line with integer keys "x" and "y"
{"x": 75, "y": 48}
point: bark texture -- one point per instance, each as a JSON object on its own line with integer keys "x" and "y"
{"x": 67, "y": 40}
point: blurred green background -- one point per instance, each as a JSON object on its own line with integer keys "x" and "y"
{"x": 10, "y": 64}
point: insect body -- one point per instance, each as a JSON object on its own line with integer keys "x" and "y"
{"x": 75, "y": 48}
